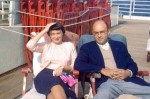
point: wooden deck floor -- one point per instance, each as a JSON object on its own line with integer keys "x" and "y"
{"x": 136, "y": 33}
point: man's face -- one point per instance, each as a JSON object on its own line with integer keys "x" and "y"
{"x": 56, "y": 36}
{"x": 100, "y": 33}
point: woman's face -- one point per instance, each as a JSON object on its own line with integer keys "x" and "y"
{"x": 56, "y": 36}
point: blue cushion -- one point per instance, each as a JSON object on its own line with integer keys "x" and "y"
{"x": 87, "y": 38}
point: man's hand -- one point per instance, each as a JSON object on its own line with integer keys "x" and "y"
{"x": 121, "y": 74}
{"x": 108, "y": 72}
{"x": 118, "y": 74}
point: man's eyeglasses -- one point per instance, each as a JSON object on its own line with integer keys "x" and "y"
{"x": 100, "y": 33}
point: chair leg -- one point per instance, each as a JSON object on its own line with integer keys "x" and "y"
{"x": 148, "y": 56}
{"x": 83, "y": 83}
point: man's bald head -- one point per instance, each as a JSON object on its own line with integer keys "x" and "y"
{"x": 100, "y": 22}
{"x": 100, "y": 31}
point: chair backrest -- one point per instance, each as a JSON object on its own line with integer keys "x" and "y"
{"x": 148, "y": 45}
{"x": 37, "y": 59}
{"x": 87, "y": 38}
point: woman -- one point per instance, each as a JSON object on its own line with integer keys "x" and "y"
{"x": 57, "y": 56}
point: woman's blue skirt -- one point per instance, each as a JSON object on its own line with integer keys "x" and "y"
{"x": 45, "y": 80}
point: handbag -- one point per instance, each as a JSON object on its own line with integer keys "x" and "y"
{"x": 68, "y": 79}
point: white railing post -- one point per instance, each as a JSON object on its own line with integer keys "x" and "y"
{"x": 3, "y": 8}
{"x": 130, "y": 11}
{"x": 111, "y": 2}
{"x": 133, "y": 5}
{"x": 11, "y": 16}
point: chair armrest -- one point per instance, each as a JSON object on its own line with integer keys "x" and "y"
{"x": 148, "y": 56}
{"x": 143, "y": 73}
{"x": 76, "y": 73}
{"x": 26, "y": 70}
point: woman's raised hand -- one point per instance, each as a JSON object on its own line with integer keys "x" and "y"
{"x": 45, "y": 30}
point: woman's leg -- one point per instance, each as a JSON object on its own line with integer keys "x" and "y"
{"x": 50, "y": 96}
{"x": 57, "y": 92}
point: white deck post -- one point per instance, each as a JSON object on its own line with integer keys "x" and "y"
{"x": 11, "y": 16}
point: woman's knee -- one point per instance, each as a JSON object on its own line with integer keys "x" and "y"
{"x": 58, "y": 92}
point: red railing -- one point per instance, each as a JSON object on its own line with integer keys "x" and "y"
{"x": 80, "y": 15}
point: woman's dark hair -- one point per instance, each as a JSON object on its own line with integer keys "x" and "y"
{"x": 56, "y": 26}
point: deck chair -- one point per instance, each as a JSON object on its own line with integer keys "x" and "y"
{"x": 32, "y": 93}
{"x": 148, "y": 48}
{"x": 87, "y": 38}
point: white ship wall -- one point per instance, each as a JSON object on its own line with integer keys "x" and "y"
{"x": 11, "y": 50}
{"x": 114, "y": 15}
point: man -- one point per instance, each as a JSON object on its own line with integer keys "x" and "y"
{"x": 112, "y": 60}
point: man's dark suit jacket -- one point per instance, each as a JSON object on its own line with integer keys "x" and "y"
{"x": 90, "y": 59}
